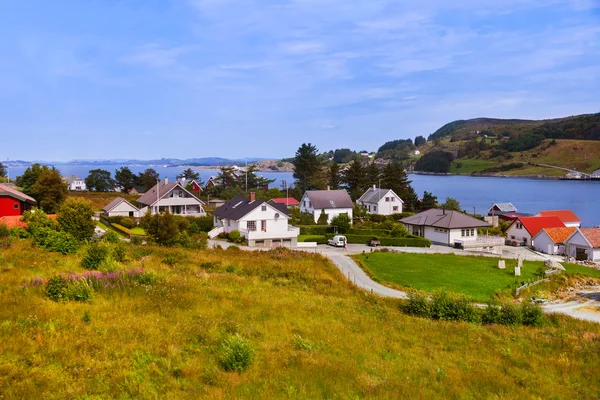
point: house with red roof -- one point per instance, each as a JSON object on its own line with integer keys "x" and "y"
{"x": 523, "y": 229}
{"x": 288, "y": 201}
{"x": 552, "y": 240}
{"x": 567, "y": 217}
{"x": 13, "y": 202}
{"x": 584, "y": 244}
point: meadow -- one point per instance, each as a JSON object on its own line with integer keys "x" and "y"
{"x": 477, "y": 277}
{"x": 313, "y": 335}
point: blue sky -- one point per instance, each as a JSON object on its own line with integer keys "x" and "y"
{"x": 249, "y": 78}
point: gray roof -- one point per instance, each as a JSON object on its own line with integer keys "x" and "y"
{"x": 6, "y": 190}
{"x": 373, "y": 195}
{"x": 448, "y": 219}
{"x": 115, "y": 203}
{"x": 504, "y": 207}
{"x": 70, "y": 179}
{"x": 239, "y": 206}
{"x": 149, "y": 197}
{"x": 329, "y": 199}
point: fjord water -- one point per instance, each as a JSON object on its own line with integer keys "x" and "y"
{"x": 528, "y": 195}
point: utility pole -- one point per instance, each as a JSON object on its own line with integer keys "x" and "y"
{"x": 157, "y": 196}
{"x": 246, "y": 175}
{"x": 8, "y": 169}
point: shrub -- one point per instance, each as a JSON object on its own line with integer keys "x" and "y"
{"x": 4, "y": 231}
{"x": 111, "y": 237}
{"x": 56, "y": 288}
{"x": 302, "y": 344}
{"x": 236, "y": 354}
{"x": 510, "y": 314}
{"x": 146, "y": 278}
{"x": 342, "y": 222}
{"x": 319, "y": 239}
{"x": 417, "y": 305}
{"x": 127, "y": 222}
{"x": 19, "y": 232}
{"x": 316, "y": 230}
{"x": 75, "y": 217}
{"x": 170, "y": 260}
{"x": 79, "y": 290}
{"x": 532, "y": 314}
{"x": 119, "y": 253}
{"x": 235, "y": 236}
{"x": 136, "y": 240}
{"x": 94, "y": 255}
{"x": 491, "y": 314}
{"x": 52, "y": 240}
{"x": 452, "y": 307}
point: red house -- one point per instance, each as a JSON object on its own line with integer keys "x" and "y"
{"x": 13, "y": 202}
{"x": 195, "y": 186}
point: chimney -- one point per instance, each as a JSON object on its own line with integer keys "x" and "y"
{"x": 252, "y": 196}
{"x": 166, "y": 180}
{"x": 327, "y": 187}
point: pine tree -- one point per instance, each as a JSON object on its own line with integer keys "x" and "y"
{"x": 334, "y": 179}
{"x": 393, "y": 176}
{"x": 355, "y": 179}
{"x": 190, "y": 175}
{"x": 308, "y": 171}
{"x": 373, "y": 174}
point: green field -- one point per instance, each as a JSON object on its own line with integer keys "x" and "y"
{"x": 138, "y": 230}
{"x": 476, "y": 277}
{"x": 314, "y": 336}
{"x": 471, "y": 165}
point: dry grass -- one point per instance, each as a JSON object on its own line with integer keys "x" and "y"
{"x": 161, "y": 341}
{"x": 100, "y": 199}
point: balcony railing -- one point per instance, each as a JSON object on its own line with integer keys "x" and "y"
{"x": 291, "y": 232}
{"x": 482, "y": 241}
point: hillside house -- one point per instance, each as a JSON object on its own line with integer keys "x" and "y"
{"x": 74, "y": 183}
{"x": 332, "y": 202}
{"x": 584, "y": 244}
{"x": 121, "y": 207}
{"x": 260, "y": 223}
{"x": 451, "y": 228}
{"x": 523, "y": 229}
{"x": 381, "y": 201}
{"x": 567, "y": 217}
{"x": 288, "y": 201}
{"x": 502, "y": 208}
{"x": 13, "y": 202}
{"x": 172, "y": 197}
{"x": 552, "y": 240}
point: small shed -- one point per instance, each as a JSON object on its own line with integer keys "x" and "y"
{"x": 121, "y": 207}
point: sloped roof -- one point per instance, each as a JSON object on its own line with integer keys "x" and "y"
{"x": 6, "y": 190}
{"x": 329, "y": 199}
{"x": 286, "y": 200}
{"x": 448, "y": 219}
{"x": 504, "y": 207}
{"x": 239, "y": 206}
{"x": 558, "y": 235}
{"x": 115, "y": 203}
{"x": 535, "y": 224}
{"x": 373, "y": 195}
{"x": 592, "y": 235}
{"x": 163, "y": 188}
{"x": 566, "y": 216}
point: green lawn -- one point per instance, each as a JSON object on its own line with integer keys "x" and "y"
{"x": 477, "y": 277}
{"x": 139, "y": 231}
{"x": 471, "y": 165}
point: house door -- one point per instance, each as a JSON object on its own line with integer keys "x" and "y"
{"x": 580, "y": 254}
{"x": 176, "y": 209}
{"x": 263, "y": 225}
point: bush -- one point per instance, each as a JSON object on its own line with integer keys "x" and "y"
{"x": 417, "y": 305}
{"x": 56, "y": 288}
{"x": 320, "y": 239}
{"x": 235, "y": 236}
{"x": 452, "y": 307}
{"x": 136, "y": 240}
{"x": 510, "y": 314}
{"x": 4, "y": 231}
{"x": 199, "y": 224}
{"x": 316, "y": 229}
{"x": 79, "y": 290}
{"x": 52, "y": 240}
{"x": 111, "y": 237}
{"x": 236, "y": 354}
{"x": 127, "y": 222}
{"x": 532, "y": 314}
{"x": 94, "y": 255}
{"x": 491, "y": 314}
{"x": 388, "y": 241}
{"x": 75, "y": 217}
{"x": 19, "y": 232}
{"x": 342, "y": 222}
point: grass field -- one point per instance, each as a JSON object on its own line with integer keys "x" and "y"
{"x": 314, "y": 336}
{"x": 138, "y": 231}
{"x": 101, "y": 199}
{"x": 476, "y": 277}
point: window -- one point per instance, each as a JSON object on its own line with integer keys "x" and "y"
{"x": 304, "y": 203}
{"x": 251, "y": 225}
{"x": 276, "y": 216}
{"x": 16, "y": 206}
{"x": 462, "y": 232}
{"x": 387, "y": 199}
{"x": 472, "y": 232}
{"x": 374, "y": 208}
{"x": 393, "y": 199}
{"x": 395, "y": 208}
{"x": 263, "y": 225}
{"x": 263, "y": 208}
{"x": 519, "y": 225}
{"x": 513, "y": 237}
{"x": 131, "y": 213}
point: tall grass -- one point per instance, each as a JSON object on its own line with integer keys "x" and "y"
{"x": 312, "y": 336}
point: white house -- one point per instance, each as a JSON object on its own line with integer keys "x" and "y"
{"x": 552, "y": 240}
{"x": 523, "y": 229}
{"x": 75, "y": 183}
{"x": 260, "y": 223}
{"x": 584, "y": 244}
{"x": 567, "y": 217}
{"x": 449, "y": 227}
{"x": 172, "y": 197}
{"x": 121, "y": 207}
{"x": 332, "y": 202}
{"x": 381, "y": 201}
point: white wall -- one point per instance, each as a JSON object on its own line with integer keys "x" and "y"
{"x": 437, "y": 237}
{"x": 595, "y": 255}
{"x": 275, "y": 228}
{"x": 387, "y": 207}
{"x": 519, "y": 234}
{"x": 572, "y": 224}
{"x": 542, "y": 241}
{"x": 123, "y": 210}
{"x": 456, "y": 234}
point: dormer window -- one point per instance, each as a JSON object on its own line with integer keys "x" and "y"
{"x": 263, "y": 208}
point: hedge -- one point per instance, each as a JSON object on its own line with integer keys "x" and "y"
{"x": 374, "y": 232}
{"x": 127, "y": 232}
{"x": 316, "y": 229}
{"x": 320, "y": 239}
{"x": 388, "y": 241}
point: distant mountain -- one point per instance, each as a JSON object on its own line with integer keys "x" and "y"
{"x": 206, "y": 161}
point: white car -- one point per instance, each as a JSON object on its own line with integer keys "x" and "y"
{"x": 337, "y": 241}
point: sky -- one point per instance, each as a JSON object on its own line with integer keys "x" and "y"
{"x": 100, "y": 79}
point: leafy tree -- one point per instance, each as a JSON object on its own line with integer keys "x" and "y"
{"x": 342, "y": 221}
{"x": 419, "y": 140}
{"x": 30, "y": 177}
{"x": 308, "y": 171}
{"x": 451, "y": 204}
{"x": 436, "y": 161}
{"x": 190, "y": 175}
{"x": 2, "y": 171}
{"x": 126, "y": 179}
{"x": 396, "y": 145}
{"x": 355, "y": 178}
{"x": 75, "y": 217}
{"x": 49, "y": 190}
{"x": 343, "y": 156}
{"x": 99, "y": 180}
{"x": 373, "y": 173}
{"x": 301, "y": 218}
{"x": 148, "y": 178}
{"x": 429, "y": 201}
{"x": 334, "y": 179}
{"x": 162, "y": 228}
{"x": 255, "y": 181}
{"x": 322, "y": 218}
